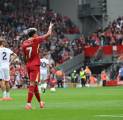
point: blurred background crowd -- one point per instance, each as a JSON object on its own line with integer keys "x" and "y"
{"x": 18, "y": 15}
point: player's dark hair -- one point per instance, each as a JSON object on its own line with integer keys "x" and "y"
{"x": 2, "y": 41}
{"x": 31, "y": 32}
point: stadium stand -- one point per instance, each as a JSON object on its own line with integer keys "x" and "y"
{"x": 17, "y": 16}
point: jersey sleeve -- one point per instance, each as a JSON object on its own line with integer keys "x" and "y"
{"x": 40, "y": 39}
{"x": 10, "y": 51}
{"x": 47, "y": 62}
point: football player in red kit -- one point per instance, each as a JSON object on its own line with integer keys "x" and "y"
{"x": 31, "y": 52}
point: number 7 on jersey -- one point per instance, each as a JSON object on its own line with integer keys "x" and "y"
{"x": 30, "y": 51}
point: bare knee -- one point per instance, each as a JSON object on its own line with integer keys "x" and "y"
{"x": 7, "y": 86}
{"x": 32, "y": 83}
{"x": 3, "y": 86}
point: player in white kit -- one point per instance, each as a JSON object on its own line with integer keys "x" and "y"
{"x": 44, "y": 73}
{"x": 6, "y": 57}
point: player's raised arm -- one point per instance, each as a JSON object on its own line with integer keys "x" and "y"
{"x": 13, "y": 57}
{"x": 45, "y": 36}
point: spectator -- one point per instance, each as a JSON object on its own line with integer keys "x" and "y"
{"x": 88, "y": 73}
{"x": 104, "y": 77}
{"x": 83, "y": 77}
{"x": 121, "y": 73}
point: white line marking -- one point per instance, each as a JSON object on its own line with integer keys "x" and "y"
{"x": 112, "y": 116}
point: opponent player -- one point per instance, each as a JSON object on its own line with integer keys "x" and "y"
{"x": 44, "y": 72}
{"x": 5, "y": 61}
{"x": 30, "y": 48}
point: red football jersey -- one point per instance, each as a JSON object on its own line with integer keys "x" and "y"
{"x": 31, "y": 50}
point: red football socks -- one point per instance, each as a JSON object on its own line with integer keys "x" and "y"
{"x": 37, "y": 94}
{"x": 30, "y": 93}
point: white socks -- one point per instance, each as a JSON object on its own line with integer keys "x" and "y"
{"x": 6, "y": 94}
{"x": 29, "y": 104}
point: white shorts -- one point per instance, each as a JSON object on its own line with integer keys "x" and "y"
{"x": 44, "y": 85}
{"x": 43, "y": 77}
{"x": 5, "y": 74}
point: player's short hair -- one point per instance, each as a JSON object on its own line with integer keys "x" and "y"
{"x": 31, "y": 31}
{"x": 2, "y": 41}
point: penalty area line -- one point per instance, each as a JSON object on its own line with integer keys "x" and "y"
{"x": 110, "y": 116}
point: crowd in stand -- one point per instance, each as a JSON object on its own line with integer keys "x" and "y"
{"x": 111, "y": 35}
{"x": 18, "y": 15}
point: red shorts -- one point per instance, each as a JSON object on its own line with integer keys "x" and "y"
{"x": 34, "y": 73}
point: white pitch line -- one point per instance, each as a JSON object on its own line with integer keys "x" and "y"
{"x": 112, "y": 116}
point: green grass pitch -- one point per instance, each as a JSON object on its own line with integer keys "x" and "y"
{"x": 102, "y": 103}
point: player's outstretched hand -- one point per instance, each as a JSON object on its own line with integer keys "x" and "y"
{"x": 51, "y": 26}
{"x": 49, "y": 33}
